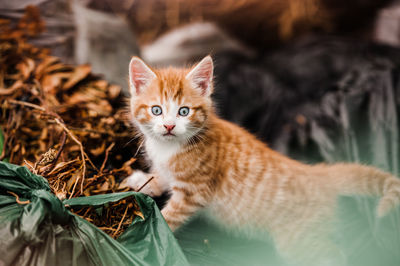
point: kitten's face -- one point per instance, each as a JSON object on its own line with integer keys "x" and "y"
{"x": 170, "y": 105}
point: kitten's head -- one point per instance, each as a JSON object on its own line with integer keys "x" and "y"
{"x": 171, "y": 105}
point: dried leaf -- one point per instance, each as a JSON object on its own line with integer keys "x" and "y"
{"x": 26, "y": 67}
{"x": 48, "y": 157}
{"x": 138, "y": 213}
{"x": 99, "y": 150}
{"x": 33, "y": 86}
{"x": 49, "y": 60}
{"x": 51, "y": 82}
{"x": 74, "y": 179}
{"x": 79, "y": 74}
{"x": 114, "y": 91}
{"x": 17, "y": 85}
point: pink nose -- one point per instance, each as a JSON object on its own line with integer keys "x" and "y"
{"x": 169, "y": 127}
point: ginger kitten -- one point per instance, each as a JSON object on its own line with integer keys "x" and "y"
{"x": 207, "y": 162}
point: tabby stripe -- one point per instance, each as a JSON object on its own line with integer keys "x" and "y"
{"x": 184, "y": 209}
{"x": 161, "y": 87}
{"x": 165, "y": 95}
{"x": 184, "y": 190}
{"x": 258, "y": 189}
{"x": 194, "y": 179}
{"x": 179, "y": 92}
{"x": 190, "y": 197}
{"x": 192, "y": 202}
{"x": 188, "y": 193}
{"x": 139, "y": 108}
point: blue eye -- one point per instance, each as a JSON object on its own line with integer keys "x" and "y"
{"x": 183, "y": 111}
{"x": 156, "y": 110}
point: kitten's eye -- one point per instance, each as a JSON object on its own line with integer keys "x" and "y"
{"x": 183, "y": 111}
{"x": 156, "y": 110}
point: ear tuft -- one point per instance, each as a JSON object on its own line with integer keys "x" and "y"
{"x": 140, "y": 75}
{"x": 201, "y": 76}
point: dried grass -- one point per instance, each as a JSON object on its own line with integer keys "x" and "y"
{"x": 64, "y": 123}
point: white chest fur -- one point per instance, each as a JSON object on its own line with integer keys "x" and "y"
{"x": 160, "y": 153}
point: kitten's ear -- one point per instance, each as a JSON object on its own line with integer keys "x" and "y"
{"x": 201, "y": 76}
{"x": 140, "y": 75}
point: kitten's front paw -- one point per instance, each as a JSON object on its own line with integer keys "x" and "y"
{"x": 138, "y": 179}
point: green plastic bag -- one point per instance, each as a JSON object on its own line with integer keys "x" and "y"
{"x": 44, "y": 232}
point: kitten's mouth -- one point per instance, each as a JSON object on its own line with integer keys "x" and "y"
{"x": 169, "y": 134}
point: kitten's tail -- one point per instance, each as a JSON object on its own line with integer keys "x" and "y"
{"x": 353, "y": 179}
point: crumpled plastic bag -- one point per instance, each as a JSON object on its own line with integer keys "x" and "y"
{"x": 39, "y": 230}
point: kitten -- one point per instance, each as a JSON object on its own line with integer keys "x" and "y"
{"x": 207, "y": 162}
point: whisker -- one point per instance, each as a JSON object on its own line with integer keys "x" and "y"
{"x": 126, "y": 144}
{"x": 140, "y": 146}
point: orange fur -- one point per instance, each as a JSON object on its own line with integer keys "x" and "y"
{"x": 247, "y": 186}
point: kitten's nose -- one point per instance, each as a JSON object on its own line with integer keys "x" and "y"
{"x": 169, "y": 127}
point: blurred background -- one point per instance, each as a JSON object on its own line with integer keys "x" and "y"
{"x": 179, "y": 32}
{"x": 318, "y": 80}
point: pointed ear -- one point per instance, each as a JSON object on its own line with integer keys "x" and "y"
{"x": 201, "y": 76}
{"x": 140, "y": 75}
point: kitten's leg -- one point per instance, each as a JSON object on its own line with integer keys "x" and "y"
{"x": 156, "y": 187}
{"x": 181, "y": 206}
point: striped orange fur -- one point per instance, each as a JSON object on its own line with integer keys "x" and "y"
{"x": 216, "y": 165}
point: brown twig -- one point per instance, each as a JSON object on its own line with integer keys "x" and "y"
{"x": 148, "y": 181}
{"x": 105, "y": 227}
{"x": 83, "y": 154}
{"x": 94, "y": 178}
{"x": 37, "y": 163}
{"x": 34, "y": 106}
{"x": 106, "y": 156}
{"x": 73, "y": 188}
{"x": 87, "y": 211}
{"x": 61, "y": 123}
{"x": 120, "y": 223}
{"x": 126, "y": 164}
{"x": 30, "y": 166}
{"x": 75, "y": 139}
{"x": 17, "y": 198}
